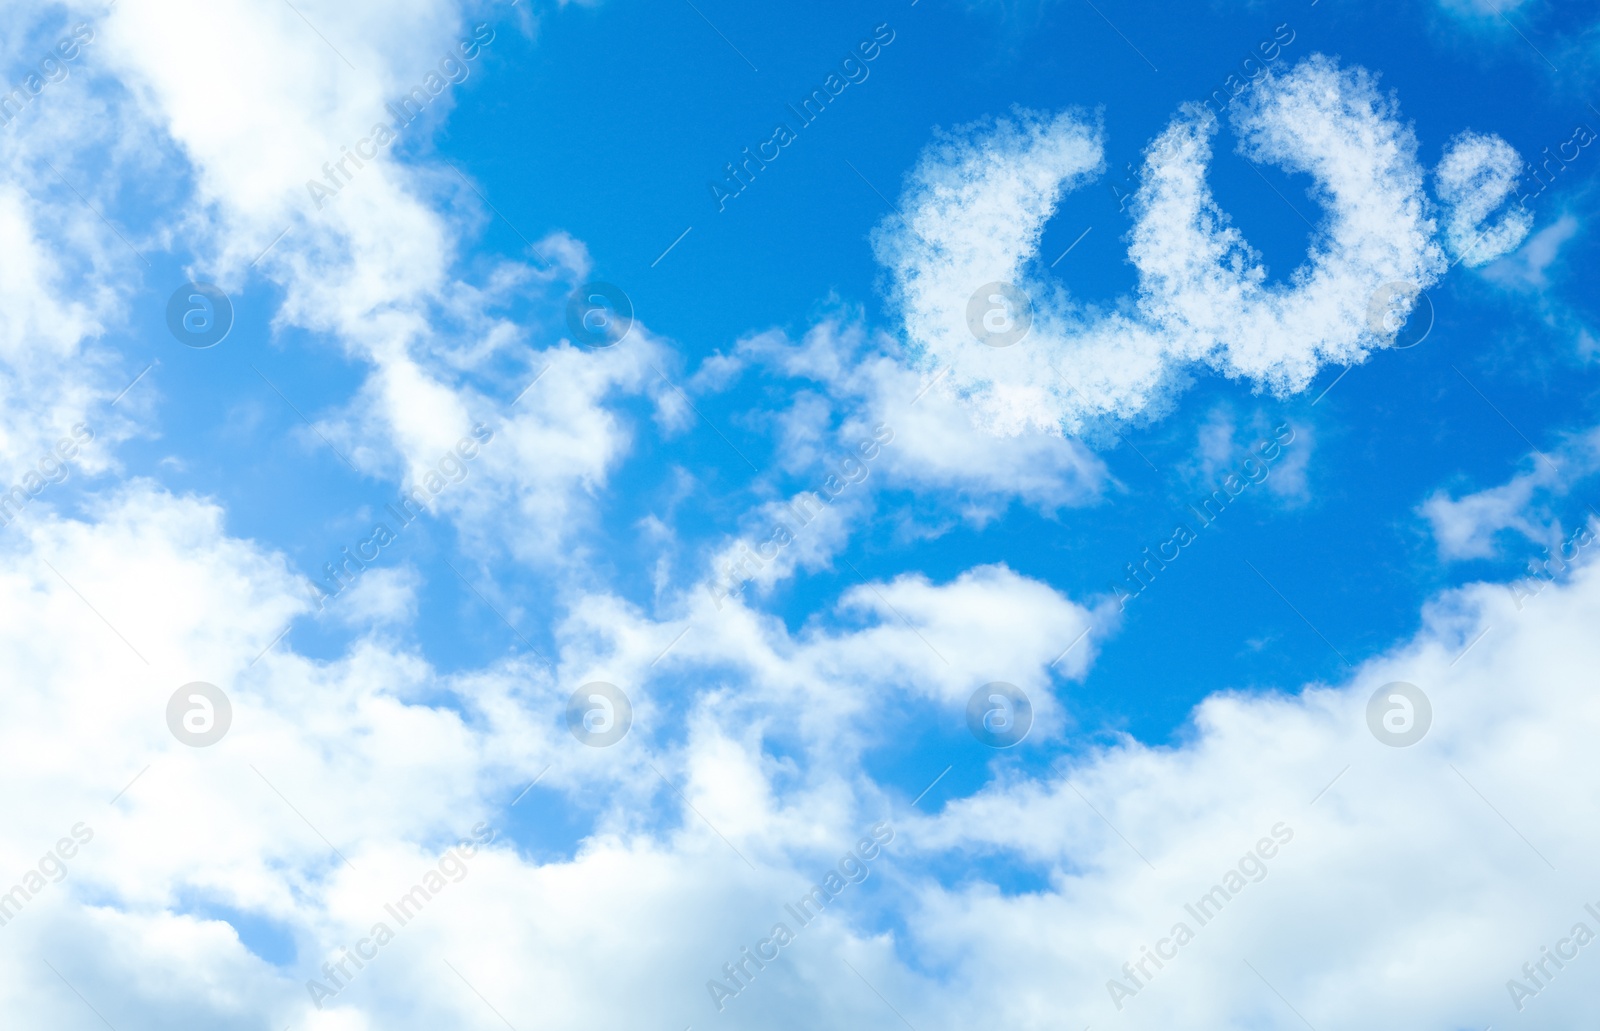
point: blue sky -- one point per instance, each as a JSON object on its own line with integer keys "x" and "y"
{"x": 800, "y": 236}
{"x": 1190, "y": 302}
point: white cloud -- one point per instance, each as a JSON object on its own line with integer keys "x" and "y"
{"x": 381, "y": 597}
{"x": 1386, "y": 871}
{"x": 1477, "y": 175}
{"x": 65, "y": 272}
{"x": 1465, "y": 527}
{"x": 153, "y": 595}
{"x": 1468, "y": 526}
{"x": 859, "y": 425}
{"x": 257, "y": 104}
{"x": 1527, "y": 269}
{"x": 869, "y": 388}
{"x": 978, "y": 200}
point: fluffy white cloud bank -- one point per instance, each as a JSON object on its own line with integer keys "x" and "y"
{"x": 977, "y": 203}
{"x": 340, "y": 782}
{"x": 1427, "y": 875}
{"x": 1415, "y": 887}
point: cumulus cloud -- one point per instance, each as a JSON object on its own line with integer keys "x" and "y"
{"x": 977, "y": 202}
{"x": 1397, "y": 853}
{"x": 869, "y": 386}
{"x": 380, "y": 597}
{"x": 860, "y": 425}
{"x": 1373, "y": 851}
{"x": 367, "y": 262}
{"x": 121, "y": 611}
{"x": 340, "y": 781}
